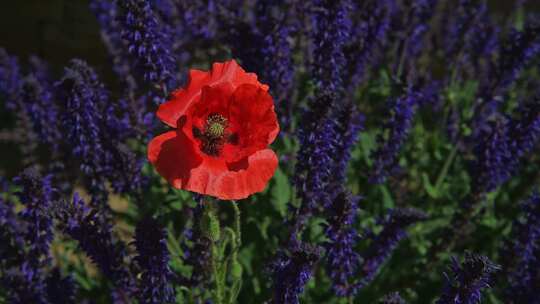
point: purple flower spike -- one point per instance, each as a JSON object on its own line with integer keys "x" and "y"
{"x": 10, "y": 78}
{"x": 522, "y": 253}
{"x": 392, "y": 298}
{"x": 148, "y": 41}
{"x": 342, "y": 259}
{"x": 465, "y": 282}
{"x": 503, "y": 143}
{"x": 331, "y": 29}
{"x": 398, "y": 125}
{"x": 291, "y": 272}
{"x": 153, "y": 259}
{"x": 26, "y": 251}
{"x": 384, "y": 243}
{"x": 519, "y": 49}
{"x": 318, "y": 138}
{"x": 95, "y": 238}
{"x": 106, "y": 12}
{"x": 368, "y": 35}
{"x": 37, "y": 195}
{"x": 198, "y": 254}
{"x": 96, "y": 132}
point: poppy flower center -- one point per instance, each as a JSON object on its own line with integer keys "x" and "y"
{"x": 215, "y": 130}
{"x": 214, "y": 134}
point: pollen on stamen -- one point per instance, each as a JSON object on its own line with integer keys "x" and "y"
{"x": 215, "y": 130}
{"x": 213, "y": 137}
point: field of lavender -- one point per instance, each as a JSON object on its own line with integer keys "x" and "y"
{"x": 277, "y": 151}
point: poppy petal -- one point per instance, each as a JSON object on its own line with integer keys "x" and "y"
{"x": 180, "y": 100}
{"x": 214, "y": 100}
{"x": 233, "y": 181}
{"x": 232, "y": 72}
{"x": 174, "y": 156}
{"x": 252, "y": 108}
{"x": 170, "y": 111}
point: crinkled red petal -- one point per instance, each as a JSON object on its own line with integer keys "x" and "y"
{"x": 233, "y": 181}
{"x": 253, "y": 120}
{"x": 214, "y": 100}
{"x": 176, "y": 159}
{"x": 180, "y": 100}
{"x": 174, "y": 156}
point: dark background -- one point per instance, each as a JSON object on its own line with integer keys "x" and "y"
{"x": 58, "y": 30}
{"x": 55, "y": 30}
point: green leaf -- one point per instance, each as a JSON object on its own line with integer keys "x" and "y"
{"x": 263, "y": 226}
{"x": 388, "y": 201}
{"x": 84, "y": 282}
{"x": 172, "y": 241}
{"x": 430, "y": 189}
{"x": 281, "y": 192}
{"x": 367, "y": 144}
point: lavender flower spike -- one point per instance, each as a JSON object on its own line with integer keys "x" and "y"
{"x": 525, "y": 126}
{"x": 153, "y": 258}
{"x": 523, "y": 250}
{"x": 466, "y": 15}
{"x": 198, "y": 255}
{"x": 415, "y": 25}
{"x": 520, "y": 48}
{"x": 10, "y": 78}
{"x": 148, "y": 41}
{"x": 277, "y": 53}
{"x": 11, "y": 84}
{"x": 313, "y": 171}
{"x": 470, "y": 35}
{"x": 349, "y": 124}
{"x": 291, "y": 272}
{"x": 394, "y": 225}
{"x": 502, "y": 143}
{"x": 37, "y": 195}
{"x": 465, "y": 283}
{"x": 18, "y": 288}
{"x": 96, "y": 130}
{"x": 106, "y": 12}
{"x": 402, "y": 111}
{"x": 331, "y": 28}
{"x": 494, "y": 162}
{"x": 342, "y": 259}
{"x": 11, "y": 235}
{"x": 24, "y": 277}
{"x": 36, "y": 100}
{"x": 392, "y": 298}
{"x": 368, "y": 35}
{"x": 95, "y": 238}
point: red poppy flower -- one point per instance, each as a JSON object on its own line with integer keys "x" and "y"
{"x": 224, "y": 120}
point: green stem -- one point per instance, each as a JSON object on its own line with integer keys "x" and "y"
{"x": 402, "y": 58}
{"x": 218, "y": 293}
{"x": 230, "y": 261}
{"x": 237, "y": 224}
{"x": 211, "y": 229}
{"x": 235, "y": 268}
{"x": 446, "y": 167}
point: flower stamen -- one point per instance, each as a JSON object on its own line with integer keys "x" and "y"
{"x": 215, "y": 130}
{"x": 213, "y": 136}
